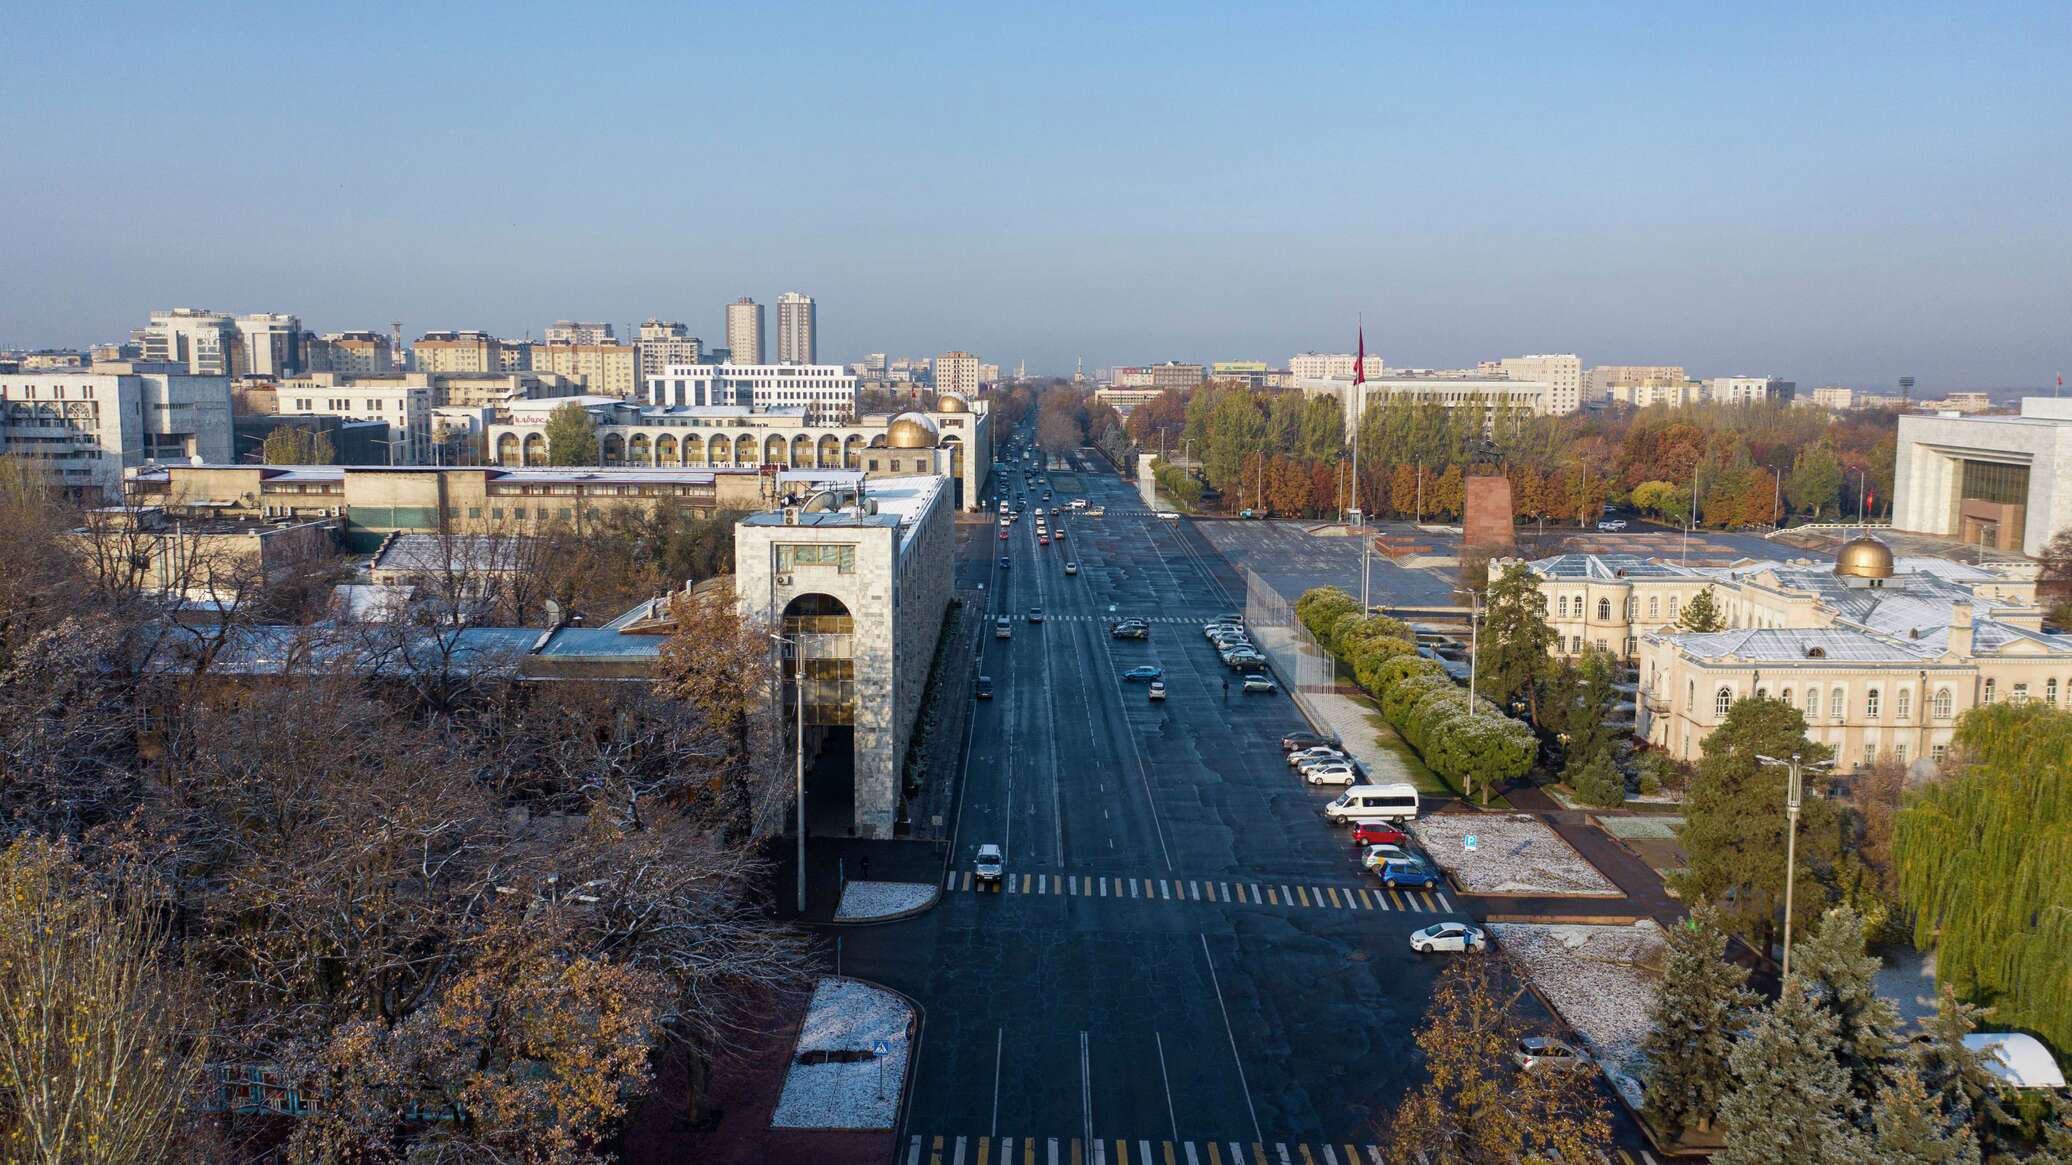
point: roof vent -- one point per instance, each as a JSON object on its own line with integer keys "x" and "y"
{"x": 1816, "y": 653}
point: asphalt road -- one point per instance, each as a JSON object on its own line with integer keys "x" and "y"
{"x": 1185, "y": 953}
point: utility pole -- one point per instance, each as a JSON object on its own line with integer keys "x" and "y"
{"x": 1474, "y": 646}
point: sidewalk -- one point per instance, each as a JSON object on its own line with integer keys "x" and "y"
{"x": 830, "y": 860}
{"x": 1645, "y": 893}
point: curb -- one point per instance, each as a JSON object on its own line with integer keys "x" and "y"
{"x": 934, "y": 900}
{"x": 915, "y": 1024}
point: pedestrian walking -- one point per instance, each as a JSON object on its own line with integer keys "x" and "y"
{"x": 865, "y": 866}
{"x": 1226, "y": 689}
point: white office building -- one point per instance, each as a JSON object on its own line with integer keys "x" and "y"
{"x": 403, "y": 402}
{"x": 1746, "y": 390}
{"x": 1562, "y": 374}
{"x": 745, "y": 331}
{"x": 86, "y": 427}
{"x": 201, "y": 341}
{"x": 1329, "y": 365}
{"x": 269, "y": 345}
{"x": 1448, "y": 389}
{"x": 795, "y": 339}
{"x": 957, "y": 372}
{"x": 2001, "y": 481}
{"x": 826, "y": 391}
{"x": 578, "y": 332}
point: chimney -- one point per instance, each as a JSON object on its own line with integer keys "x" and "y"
{"x": 1960, "y": 630}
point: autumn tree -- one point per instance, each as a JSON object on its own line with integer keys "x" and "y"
{"x": 571, "y": 438}
{"x": 101, "y": 1037}
{"x": 1478, "y": 1105}
{"x": 1513, "y": 654}
{"x": 1691, "y": 1028}
{"x": 1735, "y": 822}
{"x": 724, "y": 665}
{"x": 296, "y": 445}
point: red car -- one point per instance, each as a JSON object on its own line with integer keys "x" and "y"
{"x": 1368, "y": 833}
{"x": 1003, "y": 535}
{"x": 1043, "y": 541}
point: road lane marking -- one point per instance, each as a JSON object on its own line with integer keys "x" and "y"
{"x": 958, "y": 1157}
{"x": 1191, "y": 1158}
{"x": 1025, "y": 883}
{"x": 914, "y": 1154}
{"x": 1195, "y": 890}
{"x": 1217, "y": 986}
{"x": 985, "y": 1148}
{"x": 1271, "y": 899}
{"x": 1285, "y": 896}
{"x": 1303, "y": 893}
{"x": 1162, "y": 891}
{"x": 1166, "y": 1079}
{"x": 999, "y": 1042}
{"x": 1256, "y": 895}
{"x": 1334, "y": 896}
{"x": 949, "y": 881}
{"x": 1443, "y": 902}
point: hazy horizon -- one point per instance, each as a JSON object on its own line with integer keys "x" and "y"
{"x": 1762, "y": 190}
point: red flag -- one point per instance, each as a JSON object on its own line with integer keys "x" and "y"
{"x": 1360, "y": 361}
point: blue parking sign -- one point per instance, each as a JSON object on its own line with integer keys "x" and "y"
{"x": 1468, "y": 842}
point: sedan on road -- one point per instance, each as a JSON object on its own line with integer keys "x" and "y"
{"x": 1448, "y": 936}
{"x": 1374, "y": 855}
{"x": 1406, "y": 872}
{"x": 1378, "y": 833}
{"x": 1035, "y": 614}
{"x": 1158, "y": 689}
{"x": 1071, "y": 568}
{"x": 989, "y": 864}
{"x": 1128, "y": 630}
{"x": 1300, "y": 740}
{"x": 1146, "y": 672}
{"x": 1005, "y": 562}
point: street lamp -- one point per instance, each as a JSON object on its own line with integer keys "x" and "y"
{"x": 1474, "y": 644}
{"x": 798, "y": 687}
{"x": 1792, "y": 792}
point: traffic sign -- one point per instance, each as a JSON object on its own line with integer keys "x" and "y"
{"x": 881, "y": 1048}
{"x": 1469, "y": 842}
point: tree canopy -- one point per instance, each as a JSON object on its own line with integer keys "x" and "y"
{"x": 1512, "y": 656}
{"x": 571, "y": 439}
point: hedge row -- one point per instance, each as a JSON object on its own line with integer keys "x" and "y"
{"x": 1177, "y": 484}
{"x": 1418, "y": 697}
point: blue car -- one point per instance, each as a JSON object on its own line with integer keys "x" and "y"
{"x": 1144, "y": 673}
{"x": 1405, "y": 872}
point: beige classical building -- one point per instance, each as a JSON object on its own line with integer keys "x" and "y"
{"x": 954, "y": 440}
{"x": 1880, "y": 655}
{"x": 1562, "y": 374}
{"x": 1599, "y": 383}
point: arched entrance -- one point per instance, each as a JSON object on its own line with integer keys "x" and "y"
{"x": 821, "y": 655}
{"x": 535, "y": 449}
{"x": 507, "y": 449}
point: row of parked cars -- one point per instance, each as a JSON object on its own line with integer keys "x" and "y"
{"x": 1227, "y": 633}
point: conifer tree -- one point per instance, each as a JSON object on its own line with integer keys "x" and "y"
{"x": 1516, "y": 639}
{"x": 1907, "y": 1127}
{"x": 1691, "y": 1033}
{"x": 1842, "y": 976}
{"x": 1790, "y": 1100}
{"x": 1955, "y": 1075}
{"x": 1702, "y": 613}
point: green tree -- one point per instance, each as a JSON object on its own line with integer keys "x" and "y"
{"x": 571, "y": 440}
{"x": 1232, "y": 431}
{"x": 1581, "y": 697}
{"x": 1702, "y": 613}
{"x": 1734, "y": 827}
{"x": 1691, "y": 1031}
{"x": 1908, "y": 1129}
{"x": 1985, "y": 866}
{"x": 1842, "y": 975}
{"x": 1790, "y": 1100}
{"x": 1956, "y": 1076}
{"x": 1323, "y": 430}
{"x": 1513, "y": 656}
{"x": 296, "y": 445}
{"x": 1597, "y": 781}
{"x": 1815, "y": 478}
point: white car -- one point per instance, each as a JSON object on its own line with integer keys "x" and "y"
{"x": 1374, "y": 855}
{"x": 1448, "y": 936}
{"x": 1332, "y": 774}
{"x": 1168, "y": 516}
{"x": 1547, "y": 1052}
{"x": 988, "y": 863}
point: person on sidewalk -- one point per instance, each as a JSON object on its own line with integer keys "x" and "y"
{"x": 865, "y": 866}
{"x": 1226, "y": 689}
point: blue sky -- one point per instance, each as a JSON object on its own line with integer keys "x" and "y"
{"x": 1826, "y": 192}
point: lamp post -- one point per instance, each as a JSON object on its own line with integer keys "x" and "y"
{"x": 1474, "y": 645}
{"x": 1796, "y": 766}
{"x": 798, "y": 687}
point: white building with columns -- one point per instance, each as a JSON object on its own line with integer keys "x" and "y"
{"x": 2002, "y": 481}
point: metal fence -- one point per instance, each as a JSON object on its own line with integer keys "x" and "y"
{"x": 1305, "y": 668}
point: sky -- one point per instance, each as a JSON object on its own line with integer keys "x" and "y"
{"x": 1829, "y": 193}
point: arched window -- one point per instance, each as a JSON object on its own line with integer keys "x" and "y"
{"x": 1604, "y": 610}
{"x": 2050, "y": 692}
{"x": 1871, "y": 700}
{"x": 1722, "y": 700}
{"x": 1785, "y": 697}
{"x": 1654, "y": 606}
{"x": 1988, "y": 697}
{"x": 1812, "y": 704}
{"x": 1672, "y": 606}
{"x": 2020, "y": 694}
{"x": 1903, "y": 703}
{"x": 1561, "y": 606}
{"x": 1835, "y": 707}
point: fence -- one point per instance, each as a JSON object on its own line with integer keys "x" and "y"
{"x": 1305, "y": 668}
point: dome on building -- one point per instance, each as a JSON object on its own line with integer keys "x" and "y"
{"x": 950, "y": 402}
{"x": 911, "y": 431}
{"x": 1864, "y": 557}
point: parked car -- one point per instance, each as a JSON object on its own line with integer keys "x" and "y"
{"x": 1536, "y": 1052}
{"x": 1257, "y": 685}
{"x": 1612, "y": 524}
{"x": 1146, "y": 672}
{"x": 1374, "y": 855}
{"x": 989, "y": 863}
{"x": 1211, "y": 630}
{"x": 1230, "y": 617}
{"x": 1336, "y": 773}
{"x": 1071, "y": 568}
{"x": 1406, "y": 872}
{"x": 1298, "y": 740}
{"x": 1158, "y": 689}
{"x": 985, "y": 687}
{"x": 1448, "y": 936}
{"x": 1096, "y": 511}
{"x": 1301, "y": 756}
{"x": 1378, "y": 833}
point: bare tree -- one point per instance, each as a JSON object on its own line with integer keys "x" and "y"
{"x": 723, "y": 663}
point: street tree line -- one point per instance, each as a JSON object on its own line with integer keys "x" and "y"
{"x": 461, "y": 918}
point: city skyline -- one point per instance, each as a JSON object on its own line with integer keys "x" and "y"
{"x": 1626, "y": 184}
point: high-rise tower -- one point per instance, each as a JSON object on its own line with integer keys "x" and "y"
{"x": 795, "y": 341}
{"x": 745, "y": 331}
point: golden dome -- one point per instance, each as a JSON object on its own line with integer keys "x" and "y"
{"x": 911, "y": 431}
{"x": 1864, "y": 557}
{"x": 950, "y": 402}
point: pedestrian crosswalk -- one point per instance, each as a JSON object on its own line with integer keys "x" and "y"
{"x": 1222, "y": 891}
{"x": 990, "y": 1150}
{"x": 1196, "y": 620}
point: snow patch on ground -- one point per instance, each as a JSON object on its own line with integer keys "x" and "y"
{"x": 1641, "y": 828}
{"x": 847, "y": 1016}
{"x": 1513, "y": 854}
{"x": 862, "y": 901}
{"x": 1601, "y": 979}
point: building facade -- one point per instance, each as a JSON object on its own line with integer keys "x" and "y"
{"x": 1330, "y": 365}
{"x": 607, "y": 369}
{"x": 1598, "y": 385}
{"x": 1452, "y": 390}
{"x": 353, "y": 352}
{"x": 202, "y": 342}
{"x": 664, "y": 343}
{"x": 86, "y": 428}
{"x": 1562, "y": 374}
{"x": 578, "y": 332}
{"x": 957, "y": 372}
{"x": 857, "y": 577}
{"x": 796, "y": 343}
{"x": 402, "y": 401}
{"x": 1749, "y": 390}
{"x": 745, "y": 330}
{"x": 1674, "y": 394}
{"x": 468, "y": 351}
{"x": 1999, "y": 481}
{"x": 826, "y": 391}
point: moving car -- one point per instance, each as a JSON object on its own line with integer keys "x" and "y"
{"x": 985, "y": 687}
{"x": 1259, "y": 685}
{"x": 1548, "y": 1052}
{"x": 1168, "y": 516}
{"x": 1042, "y": 540}
{"x": 1035, "y": 614}
{"x": 1061, "y": 533}
{"x": 1158, "y": 689}
{"x": 1448, "y": 936}
{"x": 1612, "y": 524}
{"x": 1071, "y": 568}
{"x": 1378, "y": 833}
{"x": 1130, "y": 629}
{"x": 1002, "y": 629}
{"x": 1004, "y": 562}
{"x": 1003, "y": 531}
{"x": 989, "y": 864}
{"x": 1299, "y": 740}
{"x": 1406, "y": 872}
{"x": 1097, "y": 511}
{"x": 1145, "y": 672}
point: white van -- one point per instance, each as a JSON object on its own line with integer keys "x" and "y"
{"x": 1372, "y": 802}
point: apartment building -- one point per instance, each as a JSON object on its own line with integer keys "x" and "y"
{"x": 352, "y": 352}
{"x": 87, "y": 427}
{"x": 664, "y": 343}
{"x": 1597, "y": 386}
{"x": 610, "y": 369}
{"x": 1330, "y": 365}
{"x": 745, "y": 330}
{"x": 576, "y": 332}
{"x": 796, "y": 343}
{"x": 1562, "y": 374}
{"x": 1448, "y": 389}
{"x": 468, "y": 351}
{"x": 957, "y": 372}
{"x": 1744, "y": 390}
